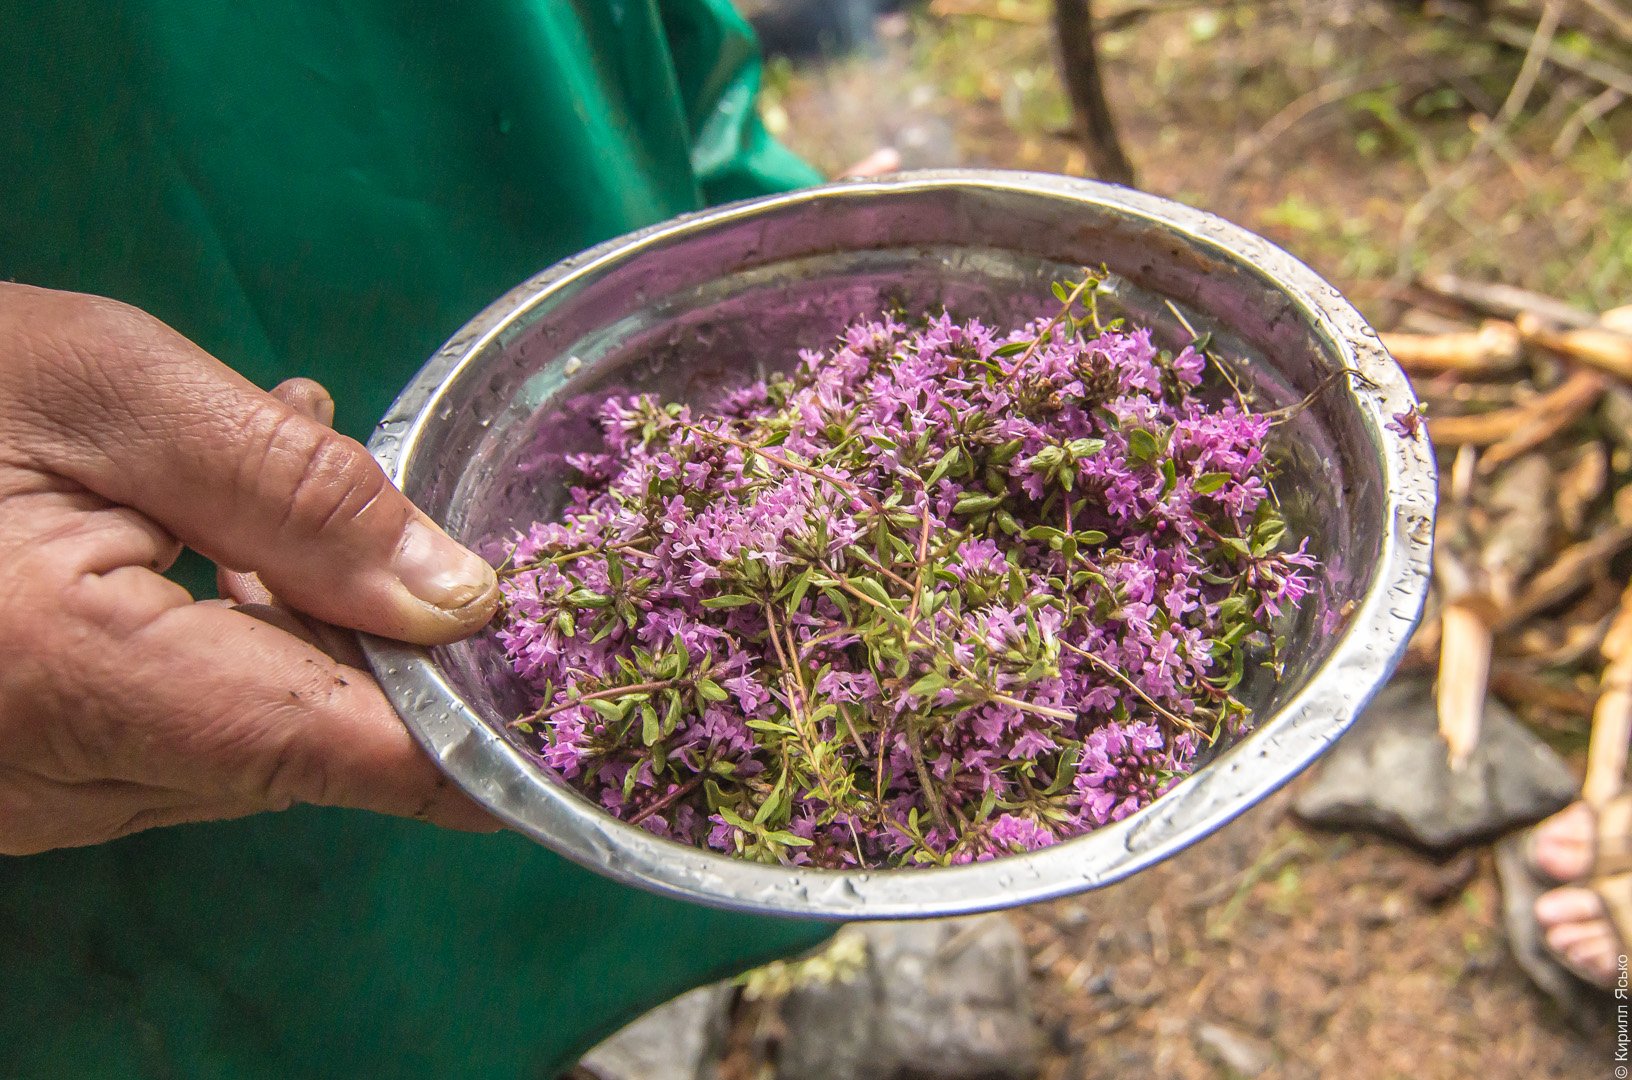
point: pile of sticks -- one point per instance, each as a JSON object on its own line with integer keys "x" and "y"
{"x": 1529, "y": 405}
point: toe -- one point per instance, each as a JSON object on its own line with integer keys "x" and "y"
{"x": 1562, "y": 845}
{"x": 1595, "y": 959}
{"x": 1566, "y": 936}
{"x": 1569, "y": 905}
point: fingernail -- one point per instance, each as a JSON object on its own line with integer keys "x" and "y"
{"x": 310, "y": 399}
{"x": 323, "y": 410}
{"x": 438, "y": 570}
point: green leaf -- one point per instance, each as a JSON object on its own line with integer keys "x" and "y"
{"x": 943, "y": 466}
{"x": 712, "y": 690}
{"x": 788, "y": 839}
{"x": 773, "y": 802}
{"x": 771, "y": 726}
{"x": 1142, "y": 445}
{"x": 1207, "y": 483}
{"x": 1085, "y": 447}
{"x": 1004, "y": 453}
{"x": 1013, "y": 348}
{"x": 974, "y": 503}
{"x": 1091, "y": 536}
{"x": 650, "y": 729}
{"x": 587, "y": 598}
{"x": 609, "y": 709}
{"x": 801, "y": 586}
{"x": 1061, "y": 293}
{"x": 929, "y": 684}
{"x": 728, "y": 600}
{"x": 872, "y": 588}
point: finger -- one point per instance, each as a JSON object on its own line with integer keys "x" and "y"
{"x": 258, "y": 717}
{"x": 340, "y": 645}
{"x": 242, "y": 588}
{"x": 307, "y": 397}
{"x": 311, "y": 400}
{"x": 143, "y": 417}
{"x": 69, "y": 814}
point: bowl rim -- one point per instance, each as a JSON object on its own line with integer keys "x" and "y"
{"x": 500, "y": 777}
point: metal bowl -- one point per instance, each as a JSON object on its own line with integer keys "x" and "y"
{"x": 701, "y": 302}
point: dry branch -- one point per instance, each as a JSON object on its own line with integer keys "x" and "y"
{"x": 1596, "y": 346}
{"x": 1569, "y": 573}
{"x": 1464, "y": 674}
{"x": 1524, "y": 688}
{"x": 1079, "y": 56}
{"x": 1548, "y": 413}
{"x": 1495, "y": 346}
{"x": 1500, "y": 301}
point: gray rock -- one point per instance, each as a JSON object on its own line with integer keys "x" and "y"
{"x": 1241, "y": 1054}
{"x": 681, "y": 1040}
{"x": 945, "y": 998}
{"x": 1390, "y": 774}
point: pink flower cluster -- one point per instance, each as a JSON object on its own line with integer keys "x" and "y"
{"x": 943, "y": 594}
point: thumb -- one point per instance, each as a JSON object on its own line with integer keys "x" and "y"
{"x": 147, "y": 419}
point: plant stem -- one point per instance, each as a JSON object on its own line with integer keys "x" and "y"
{"x": 598, "y": 695}
{"x": 670, "y": 799}
{"x": 1115, "y": 673}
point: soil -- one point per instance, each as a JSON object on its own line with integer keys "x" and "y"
{"x": 1321, "y": 954}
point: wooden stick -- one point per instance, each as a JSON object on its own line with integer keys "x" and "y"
{"x": 1494, "y": 347}
{"x": 1079, "y": 58}
{"x": 1545, "y": 426}
{"x": 1554, "y": 410}
{"x": 1618, "y": 319}
{"x": 1464, "y": 674}
{"x": 1505, "y": 301}
{"x": 1527, "y": 688}
{"x": 1561, "y": 56}
{"x": 1569, "y": 572}
{"x": 1597, "y": 346}
{"x": 1612, "y": 719}
{"x": 1611, "y": 734}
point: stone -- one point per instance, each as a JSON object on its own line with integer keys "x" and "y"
{"x": 1390, "y": 774}
{"x": 680, "y": 1040}
{"x": 946, "y": 998}
{"x": 1241, "y": 1054}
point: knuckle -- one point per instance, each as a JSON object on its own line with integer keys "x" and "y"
{"x": 320, "y": 480}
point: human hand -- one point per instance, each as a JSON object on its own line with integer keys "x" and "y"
{"x": 126, "y": 705}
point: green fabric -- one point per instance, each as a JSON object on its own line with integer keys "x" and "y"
{"x": 330, "y": 189}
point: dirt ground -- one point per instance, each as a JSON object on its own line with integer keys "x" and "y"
{"x": 1324, "y": 955}
{"x": 1358, "y": 135}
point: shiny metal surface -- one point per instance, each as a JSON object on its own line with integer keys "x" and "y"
{"x": 691, "y": 305}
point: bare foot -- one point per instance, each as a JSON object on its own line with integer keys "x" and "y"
{"x": 1572, "y": 918}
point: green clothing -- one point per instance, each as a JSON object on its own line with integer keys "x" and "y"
{"x": 331, "y": 188}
